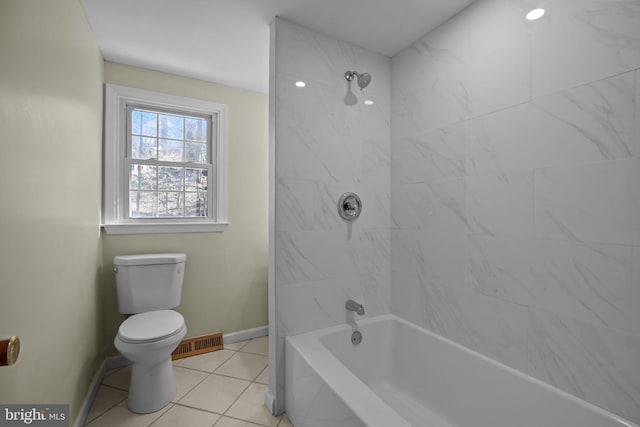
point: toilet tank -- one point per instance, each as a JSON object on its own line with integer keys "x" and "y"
{"x": 148, "y": 282}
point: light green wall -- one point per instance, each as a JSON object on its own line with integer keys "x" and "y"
{"x": 51, "y": 76}
{"x": 225, "y": 283}
{"x": 53, "y": 292}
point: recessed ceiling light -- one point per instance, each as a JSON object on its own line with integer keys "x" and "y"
{"x": 300, "y": 83}
{"x": 368, "y": 102}
{"x": 535, "y": 14}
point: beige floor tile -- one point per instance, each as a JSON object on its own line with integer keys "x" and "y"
{"x": 197, "y": 393}
{"x": 250, "y": 407}
{"x": 208, "y": 362}
{"x": 216, "y": 393}
{"x": 186, "y": 380}
{"x": 243, "y": 365}
{"x": 183, "y": 416}
{"x": 257, "y": 346}
{"x": 263, "y": 378}
{"x": 236, "y": 345}
{"x": 121, "y": 416}
{"x": 106, "y": 398}
{"x": 232, "y": 422}
{"x": 119, "y": 378}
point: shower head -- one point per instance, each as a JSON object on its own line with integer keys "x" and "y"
{"x": 363, "y": 79}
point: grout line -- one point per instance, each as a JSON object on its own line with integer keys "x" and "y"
{"x": 105, "y": 412}
{"x": 178, "y": 403}
{"x": 254, "y": 354}
{"x": 236, "y": 399}
{"x": 114, "y": 387}
{"x": 247, "y": 421}
{"x": 184, "y": 405}
{"x": 163, "y": 414}
{"x": 109, "y": 408}
{"x": 192, "y": 388}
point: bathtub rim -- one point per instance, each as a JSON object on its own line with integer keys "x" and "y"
{"x": 343, "y": 382}
{"x": 323, "y": 361}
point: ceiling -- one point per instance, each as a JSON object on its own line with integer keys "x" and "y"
{"x": 227, "y": 41}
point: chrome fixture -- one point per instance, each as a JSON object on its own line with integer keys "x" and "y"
{"x": 349, "y": 206}
{"x": 351, "y": 305}
{"x": 356, "y": 337}
{"x": 363, "y": 79}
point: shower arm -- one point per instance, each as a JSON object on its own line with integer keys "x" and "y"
{"x": 350, "y": 75}
{"x": 363, "y": 78}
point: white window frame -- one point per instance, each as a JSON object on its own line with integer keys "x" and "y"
{"x": 115, "y": 195}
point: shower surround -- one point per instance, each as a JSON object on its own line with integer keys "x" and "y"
{"x": 321, "y": 149}
{"x": 515, "y": 158}
{"x": 511, "y": 223}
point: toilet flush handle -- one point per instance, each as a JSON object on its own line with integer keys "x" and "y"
{"x": 115, "y": 269}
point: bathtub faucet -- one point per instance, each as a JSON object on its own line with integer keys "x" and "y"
{"x": 351, "y": 305}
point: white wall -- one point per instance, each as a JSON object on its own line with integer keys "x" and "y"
{"x": 516, "y": 191}
{"x": 322, "y": 149}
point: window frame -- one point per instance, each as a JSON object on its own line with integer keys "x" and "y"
{"x": 115, "y": 218}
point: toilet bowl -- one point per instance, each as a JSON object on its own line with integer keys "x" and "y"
{"x": 147, "y": 340}
{"x": 148, "y": 286}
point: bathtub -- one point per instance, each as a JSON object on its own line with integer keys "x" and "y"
{"x": 402, "y": 375}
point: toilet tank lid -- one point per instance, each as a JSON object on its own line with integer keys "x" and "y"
{"x": 149, "y": 259}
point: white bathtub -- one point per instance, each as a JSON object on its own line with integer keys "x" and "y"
{"x": 402, "y": 375}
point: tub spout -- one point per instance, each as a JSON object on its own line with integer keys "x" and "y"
{"x": 351, "y": 305}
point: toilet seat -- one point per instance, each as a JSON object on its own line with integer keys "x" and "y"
{"x": 151, "y": 326}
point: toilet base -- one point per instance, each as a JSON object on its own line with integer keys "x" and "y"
{"x": 151, "y": 387}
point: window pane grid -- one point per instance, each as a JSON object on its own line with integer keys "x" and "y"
{"x": 157, "y": 191}
{"x": 167, "y": 165}
{"x": 169, "y": 137}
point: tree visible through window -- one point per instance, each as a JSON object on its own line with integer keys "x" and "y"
{"x": 168, "y": 157}
{"x": 165, "y": 163}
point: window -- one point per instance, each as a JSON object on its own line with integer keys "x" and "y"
{"x": 165, "y": 163}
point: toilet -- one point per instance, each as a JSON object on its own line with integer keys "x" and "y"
{"x": 148, "y": 286}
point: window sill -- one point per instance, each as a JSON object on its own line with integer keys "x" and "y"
{"x": 200, "y": 227}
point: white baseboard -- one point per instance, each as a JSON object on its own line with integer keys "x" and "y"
{"x": 270, "y": 403}
{"x": 107, "y": 364}
{"x": 245, "y": 334}
{"x": 91, "y": 396}
{"x": 114, "y": 362}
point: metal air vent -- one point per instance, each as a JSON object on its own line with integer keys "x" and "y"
{"x": 198, "y": 345}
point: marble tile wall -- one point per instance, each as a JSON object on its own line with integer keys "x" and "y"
{"x": 324, "y": 148}
{"x": 515, "y": 191}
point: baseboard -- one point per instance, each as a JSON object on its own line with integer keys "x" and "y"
{"x": 107, "y": 364}
{"x": 91, "y": 396}
{"x": 245, "y": 334}
{"x": 270, "y": 402}
{"x": 114, "y": 362}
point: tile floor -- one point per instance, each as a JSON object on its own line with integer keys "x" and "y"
{"x": 223, "y": 388}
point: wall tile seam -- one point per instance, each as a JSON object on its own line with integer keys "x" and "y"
{"x": 457, "y": 122}
{"x": 532, "y": 100}
{"x": 583, "y": 84}
{"x": 550, "y": 239}
{"x": 599, "y": 325}
{"x": 504, "y": 173}
{"x": 534, "y": 237}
